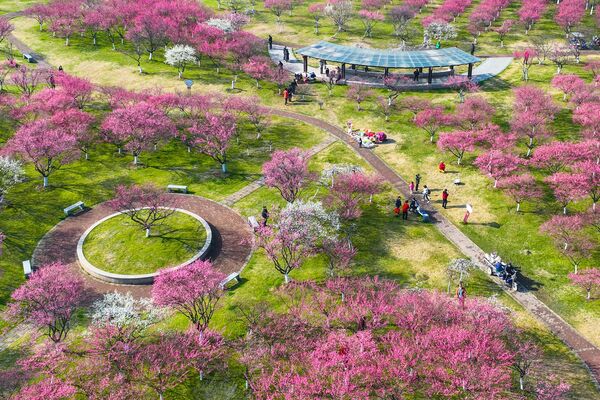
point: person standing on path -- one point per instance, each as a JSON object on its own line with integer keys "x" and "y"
{"x": 445, "y": 198}
{"x": 405, "y": 208}
{"x": 397, "y": 205}
{"x": 426, "y": 193}
{"x": 411, "y": 187}
{"x": 286, "y": 96}
{"x": 265, "y": 215}
{"x": 270, "y": 42}
{"x": 461, "y": 294}
{"x": 417, "y": 181}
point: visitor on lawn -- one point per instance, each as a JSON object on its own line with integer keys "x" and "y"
{"x": 417, "y": 181}
{"x": 286, "y": 96}
{"x": 280, "y": 66}
{"x": 461, "y": 294}
{"x": 442, "y": 167}
{"x": 416, "y": 75}
{"x": 405, "y": 210}
{"x": 411, "y": 187}
{"x": 398, "y": 204}
{"x": 445, "y": 198}
{"x": 270, "y": 42}
{"x": 426, "y": 193}
{"x": 265, "y": 215}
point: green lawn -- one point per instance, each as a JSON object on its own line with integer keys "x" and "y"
{"x": 120, "y": 246}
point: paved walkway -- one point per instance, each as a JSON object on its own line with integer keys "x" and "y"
{"x": 489, "y": 68}
{"x": 586, "y": 351}
{"x": 228, "y": 251}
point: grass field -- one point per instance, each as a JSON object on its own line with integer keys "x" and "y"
{"x": 412, "y": 253}
{"x": 120, "y": 246}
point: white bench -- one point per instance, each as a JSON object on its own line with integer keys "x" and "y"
{"x": 177, "y": 188}
{"x": 29, "y": 58}
{"x": 27, "y": 268}
{"x": 424, "y": 215}
{"x": 253, "y": 222}
{"x": 79, "y": 205}
{"x": 234, "y": 276}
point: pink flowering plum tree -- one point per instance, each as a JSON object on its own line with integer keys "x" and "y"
{"x": 194, "y": 290}
{"x": 79, "y": 89}
{"x": 369, "y": 19}
{"x": 277, "y": 7}
{"x": 525, "y": 57}
{"x": 521, "y": 188}
{"x": 5, "y": 29}
{"x": 462, "y": 85}
{"x": 27, "y": 80}
{"x": 570, "y": 238}
{"x": 212, "y": 136}
{"x": 569, "y": 84}
{"x": 457, "y": 143}
{"x": 316, "y": 10}
{"x": 296, "y": 233}
{"x": 287, "y": 171}
{"x": 259, "y": 68}
{"x": 138, "y": 127}
{"x": 49, "y": 298}
{"x": 350, "y": 191}
{"x": 400, "y": 18}
{"x": 340, "y": 12}
{"x": 498, "y": 165}
{"x": 588, "y": 279}
{"x": 339, "y": 253}
{"x": 569, "y": 13}
{"x": 431, "y": 120}
{"x": 358, "y": 94}
{"x": 504, "y": 30}
{"x": 145, "y": 205}
{"x": 46, "y": 143}
{"x": 475, "y": 113}
{"x": 556, "y": 156}
{"x": 567, "y": 187}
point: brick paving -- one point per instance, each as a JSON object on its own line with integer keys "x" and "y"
{"x": 585, "y": 350}
{"x": 229, "y": 251}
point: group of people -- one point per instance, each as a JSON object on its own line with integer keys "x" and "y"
{"x": 505, "y": 271}
{"x": 333, "y": 75}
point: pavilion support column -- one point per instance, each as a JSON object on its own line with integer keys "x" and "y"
{"x": 366, "y": 69}
{"x": 305, "y": 61}
{"x": 470, "y": 71}
{"x": 421, "y": 70}
{"x": 386, "y": 71}
{"x": 353, "y": 66}
{"x": 430, "y": 75}
{"x": 343, "y": 71}
{"x": 452, "y": 70}
{"x": 321, "y": 65}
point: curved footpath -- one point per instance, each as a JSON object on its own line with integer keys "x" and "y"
{"x": 585, "y": 350}
{"x": 228, "y": 251}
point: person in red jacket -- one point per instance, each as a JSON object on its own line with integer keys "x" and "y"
{"x": 442, "y": 167}
{"x": 445, "y": 198}
{"x": 405, "y": 210}
{"x": 286, "y": 95}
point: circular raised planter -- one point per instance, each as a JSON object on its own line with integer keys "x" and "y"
{"x": 141, "y": 279}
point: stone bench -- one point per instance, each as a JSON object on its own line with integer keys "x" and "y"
{"x": 27, "y": 270}
{"x": 29, "y": 58}
{"x": 234, "y": 276}
{"x": 79, "y": 205}
{"x": 177, "y": 188}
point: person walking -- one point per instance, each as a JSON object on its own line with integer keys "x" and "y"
{"x": 417, "y": 181}
{"x": 405, "y": 208}
{"x": 397, "y": 205}
{"x": 265, "y": 215}
{"x": 473, "y": 48}
{"x": 286, "y": 95}
{"x": 411, "y": 187}
{"x": 445, "y": 198}
{"x": 60, "y": 68}
{"x": 285, "y": 54}
{"x": 461, "y": 294}
{"x": 280, "y": 66}
{"x": 416, "y": 75}
{"x": 426, "y": 193}
{"x": 270, "y": 42}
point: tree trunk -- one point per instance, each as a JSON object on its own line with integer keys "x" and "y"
{"x": 189, "y": 149}
{"x": 140, "y": 69}
{"x": 565, "y": 210}
{"x": 224, "y": 167}
{"x": 286, "y": 278}
{"x": 589, "y": 294}
{"x": 45, "y": 181}
{"x": 150, "y": 56}
{"x": 501, "y": 43}
{"x": 67, "y": 41}
{"x": 147, "y": 232}
{"x": 180, "y": 74}
{"x": 521, "y": 383}
{"x": 113, "y": 46}
{"x": 576, "y": 269}
{"x": 518, "y": 206}
{"x": 87, "y": 155}
{"x": 94, "y": 40}
{"x": 135, "y": 160}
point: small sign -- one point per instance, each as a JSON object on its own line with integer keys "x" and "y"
{"x": 189, "y": 83}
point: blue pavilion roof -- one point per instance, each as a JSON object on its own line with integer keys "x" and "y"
{"x": 388, "y": 58}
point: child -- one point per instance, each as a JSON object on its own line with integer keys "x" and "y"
{"x": 442, "y": 167}
{"x": 411, "y": 187}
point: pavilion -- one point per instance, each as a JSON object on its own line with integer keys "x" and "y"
{"x": 416, "y": 59}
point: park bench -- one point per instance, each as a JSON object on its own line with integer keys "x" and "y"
{"x": 29, "y": 58}
{"x": 234, "y": 276}
{"x": 423, "y": 214}
{"x": 177, "y": 188}
{"x": 253, "y": 222}
{"x": 79, "y": 205}
{"x": 491, "y": 260}
{"x": 27, "y": 268}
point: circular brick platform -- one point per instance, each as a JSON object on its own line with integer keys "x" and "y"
{"x": 229, "y": 249}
